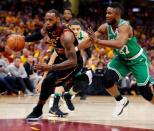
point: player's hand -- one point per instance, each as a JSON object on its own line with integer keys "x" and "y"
{"x": 92, "y": 35}
{"x": 42, "y": 66}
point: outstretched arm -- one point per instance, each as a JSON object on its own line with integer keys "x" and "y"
{"x": 120, "y": 40}
{"x": 36, "y": 35}
{"x": 86, "y": 43}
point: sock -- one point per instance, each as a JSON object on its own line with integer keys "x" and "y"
{"x": 118, "y": 98}
{"x": 58, "y": 94}
{"x": 56, "y": 99}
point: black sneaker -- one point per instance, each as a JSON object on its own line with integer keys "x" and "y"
{"x": 67, "y": 97}
{"x": 35, "y": 115}
{"x": 56, "y": 112}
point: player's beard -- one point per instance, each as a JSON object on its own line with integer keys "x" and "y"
{"x": 113, "y": 22}
{"x": 53, "y": 28}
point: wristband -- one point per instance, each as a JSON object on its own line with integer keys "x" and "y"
{"x": 76, "y": 49}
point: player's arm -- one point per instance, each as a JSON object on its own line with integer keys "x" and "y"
{"x": 70, "y": 53}
{"x": 36, "y": 36}
{"x": 67, "y": 42}
{"x": 86, "y": 43}
{"x": 121, "y": 39}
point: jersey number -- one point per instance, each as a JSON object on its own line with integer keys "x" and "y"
{"x": 124, "y": 50}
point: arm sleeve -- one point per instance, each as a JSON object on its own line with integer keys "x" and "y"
{"x": 34, "y": 37}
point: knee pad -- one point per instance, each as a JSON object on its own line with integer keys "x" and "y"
{"x": 146, "y": 92}
{"x": 109, "y": 78}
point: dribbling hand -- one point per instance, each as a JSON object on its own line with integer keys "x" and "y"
{"x": 42, "y": 66}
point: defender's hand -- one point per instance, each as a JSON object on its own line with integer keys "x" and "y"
{"x": 92, "y": 35}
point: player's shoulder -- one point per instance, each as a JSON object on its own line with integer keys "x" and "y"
{"x": 66, "y": 30}
{"x": 124, "y": 27}
{"x": 124, "y": 24}
{"x": 67, "y": 34}
{"x": 104, "y": 25}
{"x": 103, "y": 28}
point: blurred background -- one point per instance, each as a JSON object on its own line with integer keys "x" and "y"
{"x": 27, "y": 16}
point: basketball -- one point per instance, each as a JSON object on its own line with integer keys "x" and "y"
{"x": 15, "y": 42}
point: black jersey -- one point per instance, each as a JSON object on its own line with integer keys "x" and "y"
{"x": 56, "y": 43}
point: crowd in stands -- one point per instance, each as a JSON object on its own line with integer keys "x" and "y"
{"x": 17, "y": 75}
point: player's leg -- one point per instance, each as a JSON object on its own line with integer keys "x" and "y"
{"x": 46, "y": 89}
{"x": 116, "y": 70}
{"x": 143, "y": 78}
{"x": 80, "y": 83}
{"x": 54, "y": 110}
{"x": 63, "y": 77}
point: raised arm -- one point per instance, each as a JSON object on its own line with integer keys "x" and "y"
{"x": 86, "y": 43}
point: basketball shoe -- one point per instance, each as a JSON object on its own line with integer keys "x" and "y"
{"x": 35, "y": 114}
{"x": 56, "y": 112}
{"x": 67, "y": 101}
{"x": 120, "y": 105}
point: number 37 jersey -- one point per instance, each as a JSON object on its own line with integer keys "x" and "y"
{"x": 130, "y": 49}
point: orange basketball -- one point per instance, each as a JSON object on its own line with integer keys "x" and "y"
{"x": 15, "y": 42}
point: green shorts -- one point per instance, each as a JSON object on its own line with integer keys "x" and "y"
{"x": 139, "y": 68}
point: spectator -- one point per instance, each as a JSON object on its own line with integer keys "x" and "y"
{"x": 4, "y": 76}
{"x": 18, "y": 71}
{"x": 32, "y": 75}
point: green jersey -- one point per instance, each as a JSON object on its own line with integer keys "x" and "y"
{"x": 130, "y": 50}
{"x": 130, "y": 58}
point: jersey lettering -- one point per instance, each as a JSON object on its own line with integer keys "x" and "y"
{"x": 124, "y": 50}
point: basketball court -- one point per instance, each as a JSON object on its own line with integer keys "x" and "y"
{"x": 93, "y": 114}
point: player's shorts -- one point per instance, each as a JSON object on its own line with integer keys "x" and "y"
{"x": 139, "y": 68}
{"x": 63, "y": 76}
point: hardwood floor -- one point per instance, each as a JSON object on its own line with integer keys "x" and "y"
{"x": 95, "y": 110}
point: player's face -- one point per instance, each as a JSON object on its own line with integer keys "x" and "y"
{"x": 51, "y": 20}
{"x": 110, "y": 15}
{"x": 67, "y": 15}
{"x": 76, "y": 29}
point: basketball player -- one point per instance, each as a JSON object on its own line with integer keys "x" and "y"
{"x": 83, "y": 79}
{"x": 129, "y": 56}
{"x": 65, "y": 66}
{"x": 81, "y": 35}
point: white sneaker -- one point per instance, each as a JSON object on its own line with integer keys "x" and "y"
{"x": 120, "y": 105}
